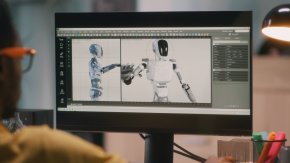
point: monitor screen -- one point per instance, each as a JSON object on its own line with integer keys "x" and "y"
{"x": 177, "y": 72}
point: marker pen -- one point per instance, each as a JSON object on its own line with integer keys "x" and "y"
{"x": 266, "y": 148}
{"x": 257, "y": 139}
{"x": 276, "y": 146}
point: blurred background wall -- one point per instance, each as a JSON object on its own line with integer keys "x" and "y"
{"x": 34, "y": 20}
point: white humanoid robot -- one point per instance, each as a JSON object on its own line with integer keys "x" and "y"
{"x": 159, "y": 72}
{"x": 96, "y": 71}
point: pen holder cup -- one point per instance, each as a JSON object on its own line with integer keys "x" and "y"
{"x": 260, "y": 145}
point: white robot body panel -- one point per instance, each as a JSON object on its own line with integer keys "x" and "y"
{"x": 160, "y": 71}
{"x": 160, "y": 75}
{"x": 160, "y": 89}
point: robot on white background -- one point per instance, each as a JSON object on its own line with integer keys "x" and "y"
{"x": 159, "y": 71}
{"x": 96, "y": 71}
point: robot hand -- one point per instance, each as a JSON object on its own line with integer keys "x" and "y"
{"x": 188, "y": 92}
{"x": 127, "y": 73}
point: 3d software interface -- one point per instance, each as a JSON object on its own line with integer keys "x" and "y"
{"x": 163, "y": 70}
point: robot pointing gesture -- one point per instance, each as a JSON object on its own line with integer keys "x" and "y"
{"x": 159, "y": 71}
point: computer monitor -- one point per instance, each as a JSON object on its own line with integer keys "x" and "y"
{"x": 154, "y": 72}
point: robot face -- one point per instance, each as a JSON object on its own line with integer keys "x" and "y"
{"x": 160, "y": 48}
{"x": 96, "y": 50}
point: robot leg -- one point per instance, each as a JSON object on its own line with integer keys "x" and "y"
{"x": 188, "y": 92}
{"x": 95, "y": 94}
{"x": 96, "y": 89}
{"x": 157, "y": 98}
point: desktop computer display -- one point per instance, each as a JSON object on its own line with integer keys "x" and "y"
{"x": 168, "y": 72}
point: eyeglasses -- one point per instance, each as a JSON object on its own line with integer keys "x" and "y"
{"x": 26, "y": 54}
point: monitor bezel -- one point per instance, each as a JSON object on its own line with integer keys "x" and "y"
{"x": 156, "y": 122}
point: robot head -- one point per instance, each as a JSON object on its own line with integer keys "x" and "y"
{"x": 96, "y": 50}
{"x": 160, "y": 48}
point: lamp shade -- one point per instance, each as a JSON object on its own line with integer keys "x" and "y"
{"x": 277, "y": 23}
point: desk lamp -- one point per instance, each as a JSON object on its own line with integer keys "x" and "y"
{"x": 276, "y": 24}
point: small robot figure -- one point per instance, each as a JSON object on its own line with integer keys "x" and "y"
{"x": 159, "y": 72}
{"x": 96, "y": 71}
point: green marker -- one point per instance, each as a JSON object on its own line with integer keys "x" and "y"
{"x": 257, "y": 139}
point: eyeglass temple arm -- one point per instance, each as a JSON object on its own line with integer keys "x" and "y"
{"x": 15, "y": 51}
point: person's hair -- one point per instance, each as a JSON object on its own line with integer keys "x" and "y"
{"x": 8, "y": 34}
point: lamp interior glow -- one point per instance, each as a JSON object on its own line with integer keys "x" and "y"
{"x": 280, "y": 33}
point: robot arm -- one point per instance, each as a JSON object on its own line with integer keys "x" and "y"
{"x": 128, "y": 72}
{"x": 109, "y": 67}
{"x": 185, "y": 86}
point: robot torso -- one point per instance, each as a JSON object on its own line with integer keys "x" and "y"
{"x": 160, "y": 75}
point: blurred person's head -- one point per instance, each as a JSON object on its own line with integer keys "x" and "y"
{"x": 10, "y": 70}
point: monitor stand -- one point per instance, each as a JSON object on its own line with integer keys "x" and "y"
{"x": 159, "y": 148}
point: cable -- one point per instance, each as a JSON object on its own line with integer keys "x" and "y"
{"x": 143, "y": 136}
{"x": 193, "y": 156}
{"x": 185, "y": 152}
{"x": 187, "y": 155}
